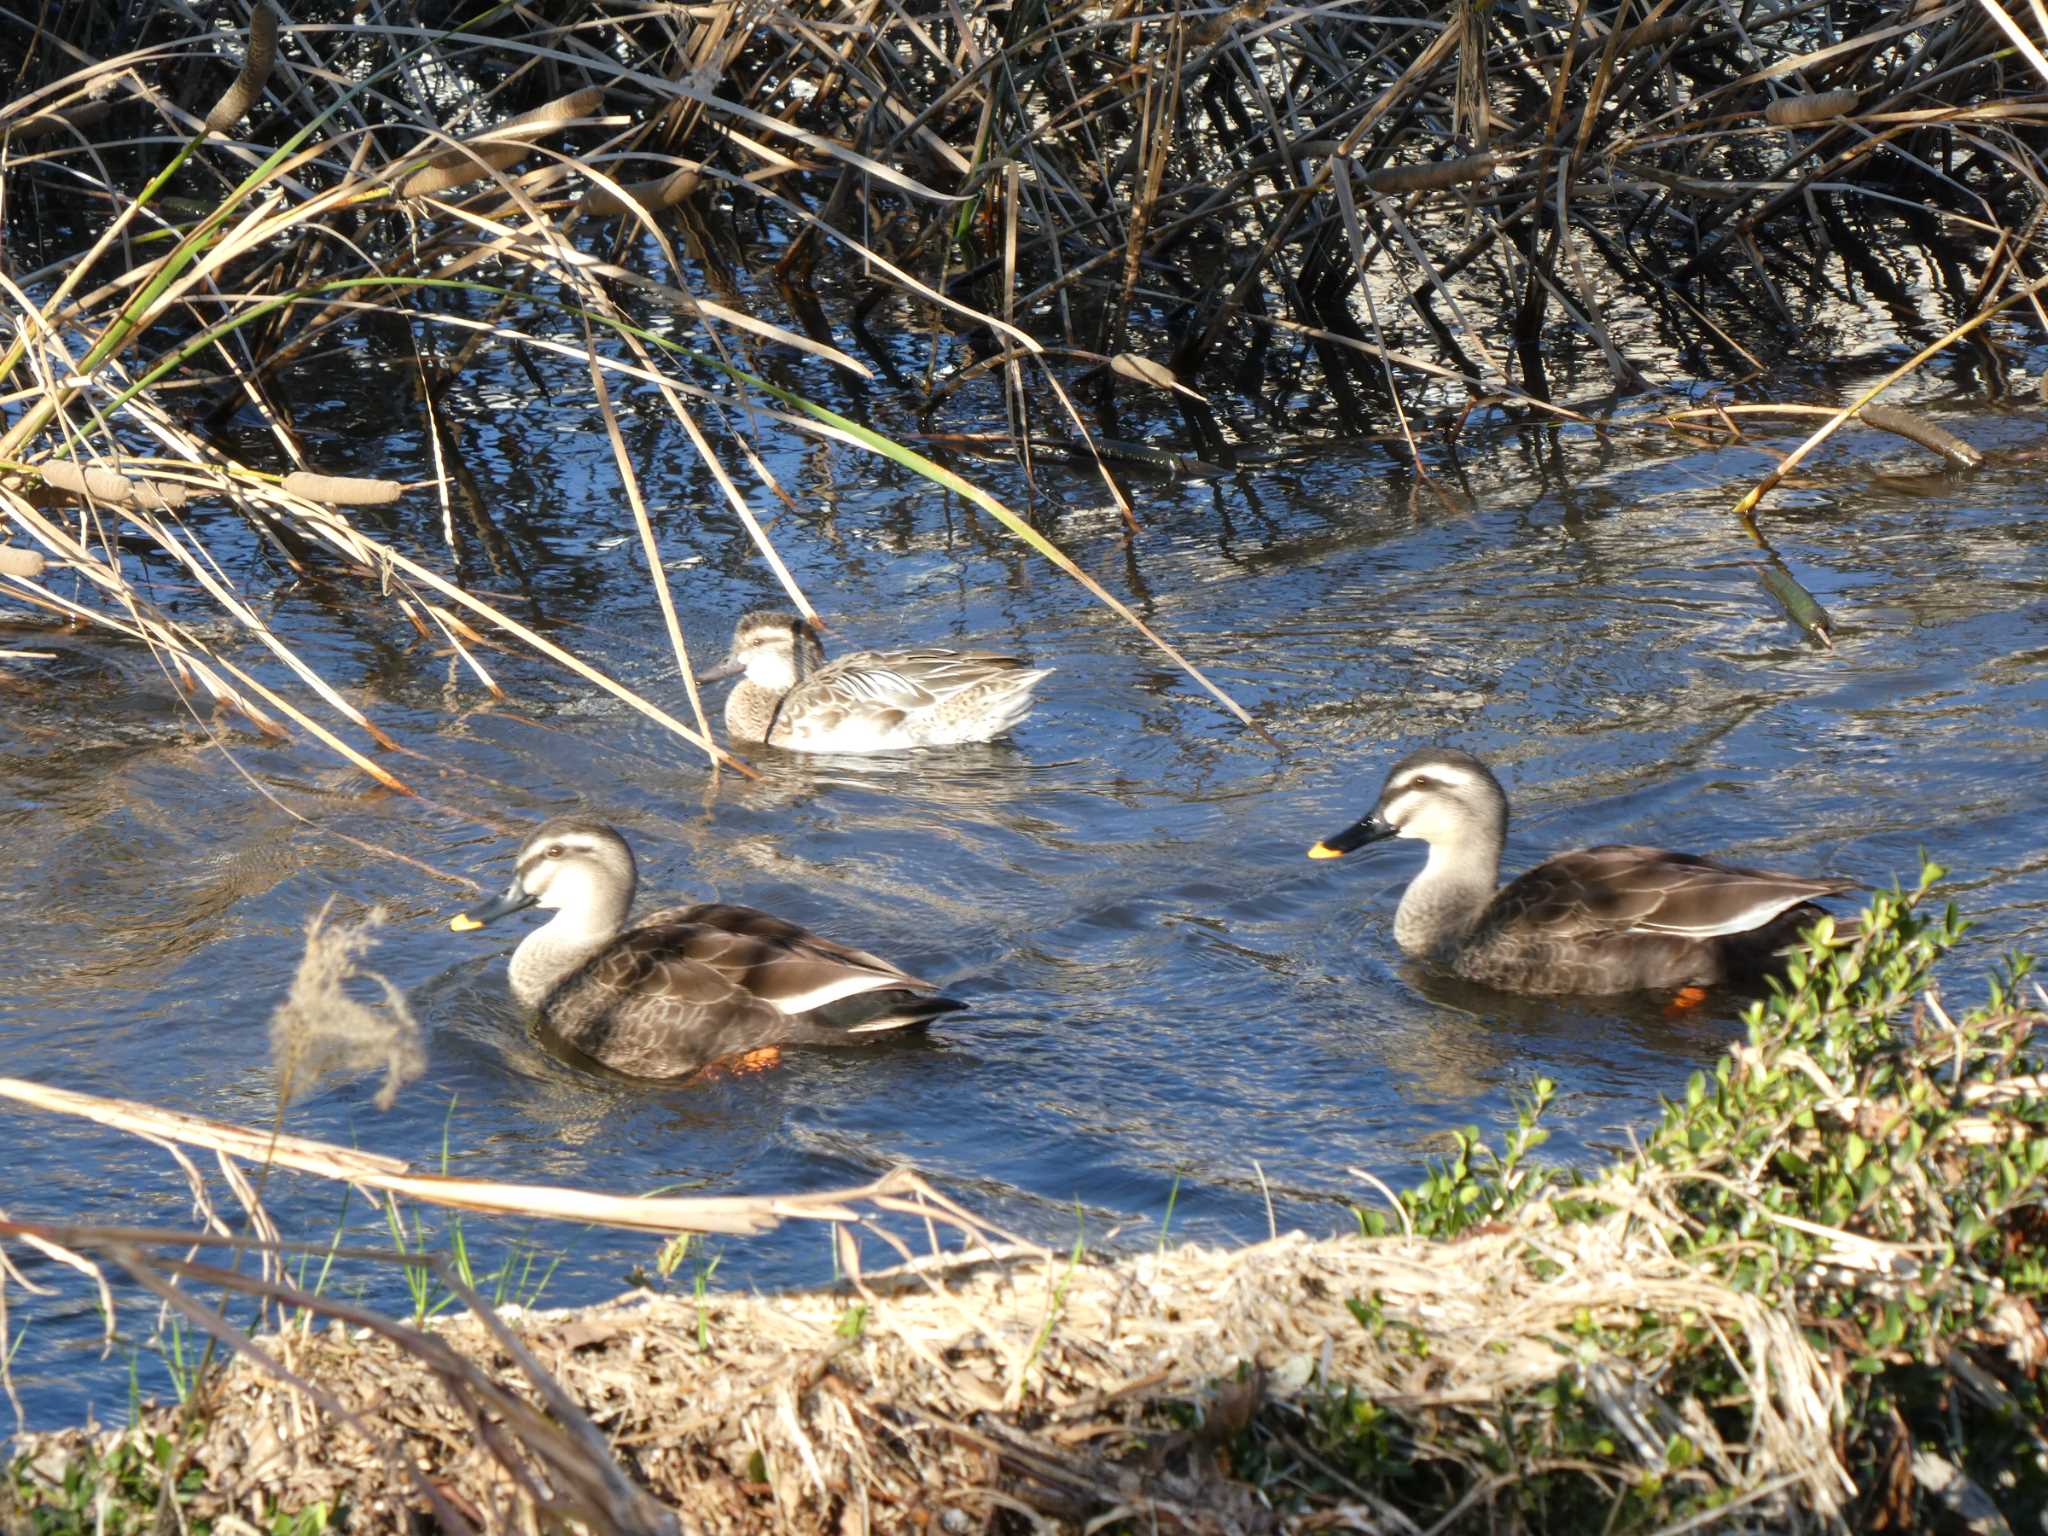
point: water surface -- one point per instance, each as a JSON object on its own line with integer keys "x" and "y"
{"x": 1166, "y": 994}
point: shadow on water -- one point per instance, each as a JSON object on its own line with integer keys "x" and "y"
{"x": 1166, "y": 996}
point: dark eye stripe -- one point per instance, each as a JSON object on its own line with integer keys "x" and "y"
{"x": 553, "y": 851}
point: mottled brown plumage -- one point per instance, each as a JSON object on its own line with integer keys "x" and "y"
{"x": 871, "y": 701}
{"x": 685, "y": 986}
{"x": 1616, "y": 918}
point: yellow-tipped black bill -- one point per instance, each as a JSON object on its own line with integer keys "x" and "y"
{"x": 513, "y": 899}
{"x": 1367, "y": 829}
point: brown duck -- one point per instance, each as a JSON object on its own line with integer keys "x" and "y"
{"x": 685, "y": 986}
{"x": 1617, "y": 918}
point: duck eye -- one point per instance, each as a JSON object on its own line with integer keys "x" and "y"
{"x": 554, "y": 851}
{"x": 1422, "y": 781}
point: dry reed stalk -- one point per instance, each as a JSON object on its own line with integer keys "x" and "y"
{"x": 56, "y": 1250}
{"x": 650, "y": 546}
{"x": 201, "y": 571}
{"x": 512, "y": 626}
{"x": 193, "y": 661}
{"x": 462, "y": 637}
{"x": 732, "y": 1214}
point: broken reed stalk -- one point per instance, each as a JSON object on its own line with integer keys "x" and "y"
{"x": 731, "y": 1214}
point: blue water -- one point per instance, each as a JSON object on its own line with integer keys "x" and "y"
{"x": 1167, "y": 996}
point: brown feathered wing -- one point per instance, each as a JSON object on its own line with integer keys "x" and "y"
{"x": 690, "y": 985}
{"x": 1627, "y": 888}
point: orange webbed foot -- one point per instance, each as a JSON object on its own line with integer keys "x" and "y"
{"x": 1685, "y": 999}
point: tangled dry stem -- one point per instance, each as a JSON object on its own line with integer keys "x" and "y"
{"x": 1073, "y": 1394}
{"x": 320, "y": 1030}
{"x": 1405, "y": 211}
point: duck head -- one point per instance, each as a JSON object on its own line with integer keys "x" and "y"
{"x": 572, "y": 864}
{"x": 1447, "y": 798}
{"x": 775, "y": 650}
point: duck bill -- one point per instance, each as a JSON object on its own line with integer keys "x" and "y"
{"x": 514, "y": 899}
{"x": 1367, "y": 829}
{"x": 719, "y": 673}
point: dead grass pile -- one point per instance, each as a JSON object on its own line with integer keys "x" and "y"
{"x": 1187, "y": 1390}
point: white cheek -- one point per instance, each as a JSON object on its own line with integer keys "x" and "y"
{"x": 557, "y": 885}
{"x": 1401, "y": 814}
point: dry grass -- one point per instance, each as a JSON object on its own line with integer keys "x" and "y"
{"x": 988, "y": 1394}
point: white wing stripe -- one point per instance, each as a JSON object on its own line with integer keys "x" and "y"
{"x": 1750, "y": 916}
{"x": 850, "y": 985}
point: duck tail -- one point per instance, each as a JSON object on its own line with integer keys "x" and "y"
{"x": 903, "y": 1010}
{"x": 1009, "y": 698}
{"x": 1748, "y": 958}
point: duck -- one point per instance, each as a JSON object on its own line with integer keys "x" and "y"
{"x": 790, "y": 696}
{"x": 1615, "y": 918}
{"x": 685, "y": 986}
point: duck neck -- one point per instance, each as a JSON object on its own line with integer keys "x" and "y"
{"x": 1442, "y": 904}
{"x": 546, "y": 957}
{"x": 750, "y": 710}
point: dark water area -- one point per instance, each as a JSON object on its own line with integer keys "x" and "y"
{"x": 1167, "y": 996}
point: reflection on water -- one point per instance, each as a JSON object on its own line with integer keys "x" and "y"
{"x": 1164, "y": 989}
